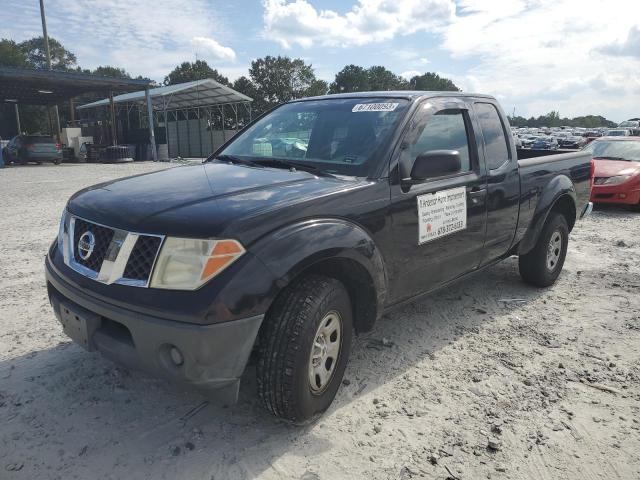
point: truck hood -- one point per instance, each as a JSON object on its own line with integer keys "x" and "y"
{"x": 611, "y": 168}
{"x": 200, "y": 201}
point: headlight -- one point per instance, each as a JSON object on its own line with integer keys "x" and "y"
{"x": 187, "y": 264}
{"x": 616, "y": 180}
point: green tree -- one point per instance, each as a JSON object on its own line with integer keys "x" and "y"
{"x": 351, "y": 78}
{"x": 190, "y": 71}
{"x": 381, "y": 79}
{"x": 109, "y": 71}
{"x": 35, "y": 52}
{"x": 354, "y": 78}
{"x": 280, "y": 79}
{"x": 11, "y": 55}
{"x": 432, "y": 82}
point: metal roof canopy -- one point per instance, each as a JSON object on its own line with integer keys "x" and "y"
{"x": 198, "y": 93}
{"x": 51, "y": 87}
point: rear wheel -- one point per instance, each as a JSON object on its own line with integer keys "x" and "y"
{"x": 304, "y": 348}
{"x": 542, "y": 265}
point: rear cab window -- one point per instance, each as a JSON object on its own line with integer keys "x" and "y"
{"x": 496, "y": 143}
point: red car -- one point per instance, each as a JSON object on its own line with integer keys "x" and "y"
{"x": 616, "y": 177}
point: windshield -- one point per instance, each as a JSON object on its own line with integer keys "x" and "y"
{"x": 616, "y": 133}
{"x": 618, "y": 149}
{"x": 629, "y": 123}
{"x": 341, "y": 136}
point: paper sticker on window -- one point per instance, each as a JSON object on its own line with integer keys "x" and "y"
{"x": 441, "y": 213}
{"x": 374, "y": 107}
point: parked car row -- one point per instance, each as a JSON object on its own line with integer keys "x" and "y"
{"x": 571, "y": 137}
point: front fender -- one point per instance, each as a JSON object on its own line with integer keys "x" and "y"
{"x": 559, "y": 187}
{"x": 291, "y": 250}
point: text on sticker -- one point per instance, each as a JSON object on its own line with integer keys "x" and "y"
{"x": 374, "y": 107}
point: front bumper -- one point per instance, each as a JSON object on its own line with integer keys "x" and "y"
{"x": 213, "y": 357}
{"x": 621, "y": 194}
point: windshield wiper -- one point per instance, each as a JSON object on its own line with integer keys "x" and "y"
{"x": 234, "y": 159}
{"x": 288, "y": 164}
{"x": 612, "y": 158}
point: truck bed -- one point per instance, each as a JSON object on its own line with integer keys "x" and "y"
{"x": 573, "y": 169}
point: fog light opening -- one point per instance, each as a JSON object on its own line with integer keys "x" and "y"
{"x": 176, "y": 356}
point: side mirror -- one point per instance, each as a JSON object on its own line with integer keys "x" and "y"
{"x": 436, "y": 163}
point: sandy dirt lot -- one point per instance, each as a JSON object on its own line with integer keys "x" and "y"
{"x": 490, "y": 379}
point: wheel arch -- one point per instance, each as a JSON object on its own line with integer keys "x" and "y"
{"x": 559, "y": 196}
{"x": 335, "y": 248}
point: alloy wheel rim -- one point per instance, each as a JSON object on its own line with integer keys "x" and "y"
{"x": 553, "y": 250}
{"x": 325, "y": 350}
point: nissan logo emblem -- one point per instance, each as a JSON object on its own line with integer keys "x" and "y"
{"x": 86, "y": 244}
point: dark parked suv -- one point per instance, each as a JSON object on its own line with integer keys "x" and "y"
{"x": 300, "y": 232}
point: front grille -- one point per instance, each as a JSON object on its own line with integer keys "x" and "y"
{"x": 142, "y": 257}
{"x": 129, "y": 256}
{"x": 103, "y": 237}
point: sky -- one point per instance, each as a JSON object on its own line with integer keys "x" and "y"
{"x": 575, "y": 56}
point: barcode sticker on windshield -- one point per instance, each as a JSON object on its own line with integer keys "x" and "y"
{"x": 374, "y": 107}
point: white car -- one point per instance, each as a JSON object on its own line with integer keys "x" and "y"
{"x": 618, "y": 132}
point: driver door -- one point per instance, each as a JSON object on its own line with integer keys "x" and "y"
{"x": 439, "y": 223}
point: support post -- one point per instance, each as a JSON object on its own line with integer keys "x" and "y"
{"x": 112, "y": 108}
{"x": 224, "y": 137}
{"x": 72, "y": 111}
{"x": 166, "y": 132}
{"x": 58, "y": 131}
{"x": 18, "y": 118}
{"x": 152, "y": 135}
{"x": 200, "y": 132}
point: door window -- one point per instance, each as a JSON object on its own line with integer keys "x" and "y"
{"x": 495, "y": 137}
{"x": 445, "y": 130}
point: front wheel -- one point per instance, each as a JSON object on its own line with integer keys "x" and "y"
{"x": 542, "y": 265}
{"x": 304, "y": 348}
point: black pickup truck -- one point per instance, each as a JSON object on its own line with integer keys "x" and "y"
{"x": 299, "y": 233}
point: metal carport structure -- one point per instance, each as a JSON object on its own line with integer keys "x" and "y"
{"x": 52, "y": 87}
{"x": 195, "y": 98}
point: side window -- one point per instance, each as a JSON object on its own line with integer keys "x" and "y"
{"x": 495, "y": 137}
{"x": 444, "y": 131}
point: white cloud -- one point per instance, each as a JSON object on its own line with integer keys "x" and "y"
{"x": 629, "y": 48}
{"x": 213, "y": 48}
{"x": 146, "y": 37}
{"x": 409, "y": 74}
{"x": 547, "y": 54}
{"x": 299, "y": 22}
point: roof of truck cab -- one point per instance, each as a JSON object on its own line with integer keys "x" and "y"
{"x": 407, "y": 94}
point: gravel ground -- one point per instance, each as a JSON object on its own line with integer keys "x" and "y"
{"x": 489, "y": 379}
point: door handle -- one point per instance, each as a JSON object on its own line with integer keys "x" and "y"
{"x": 477, "y": 195}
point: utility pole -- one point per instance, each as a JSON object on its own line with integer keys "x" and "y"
{"x": 48, "y": 58}
{"x": 44, "y": 34}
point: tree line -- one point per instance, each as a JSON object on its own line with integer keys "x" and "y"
{"x": 271, "y": 80}
{"x": 552, "y": 119}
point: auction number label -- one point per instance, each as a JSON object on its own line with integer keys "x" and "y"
{"x": 375, "y": 107}
{"x": 441, "y": 213}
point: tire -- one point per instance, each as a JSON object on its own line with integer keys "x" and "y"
{"x": 542, "y": 265}
{"x": 305, "y": 311}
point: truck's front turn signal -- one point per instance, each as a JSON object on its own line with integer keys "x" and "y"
{"x": 187, "y": 264}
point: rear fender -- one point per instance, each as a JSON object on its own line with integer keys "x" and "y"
{"x": 558, "y": 188}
